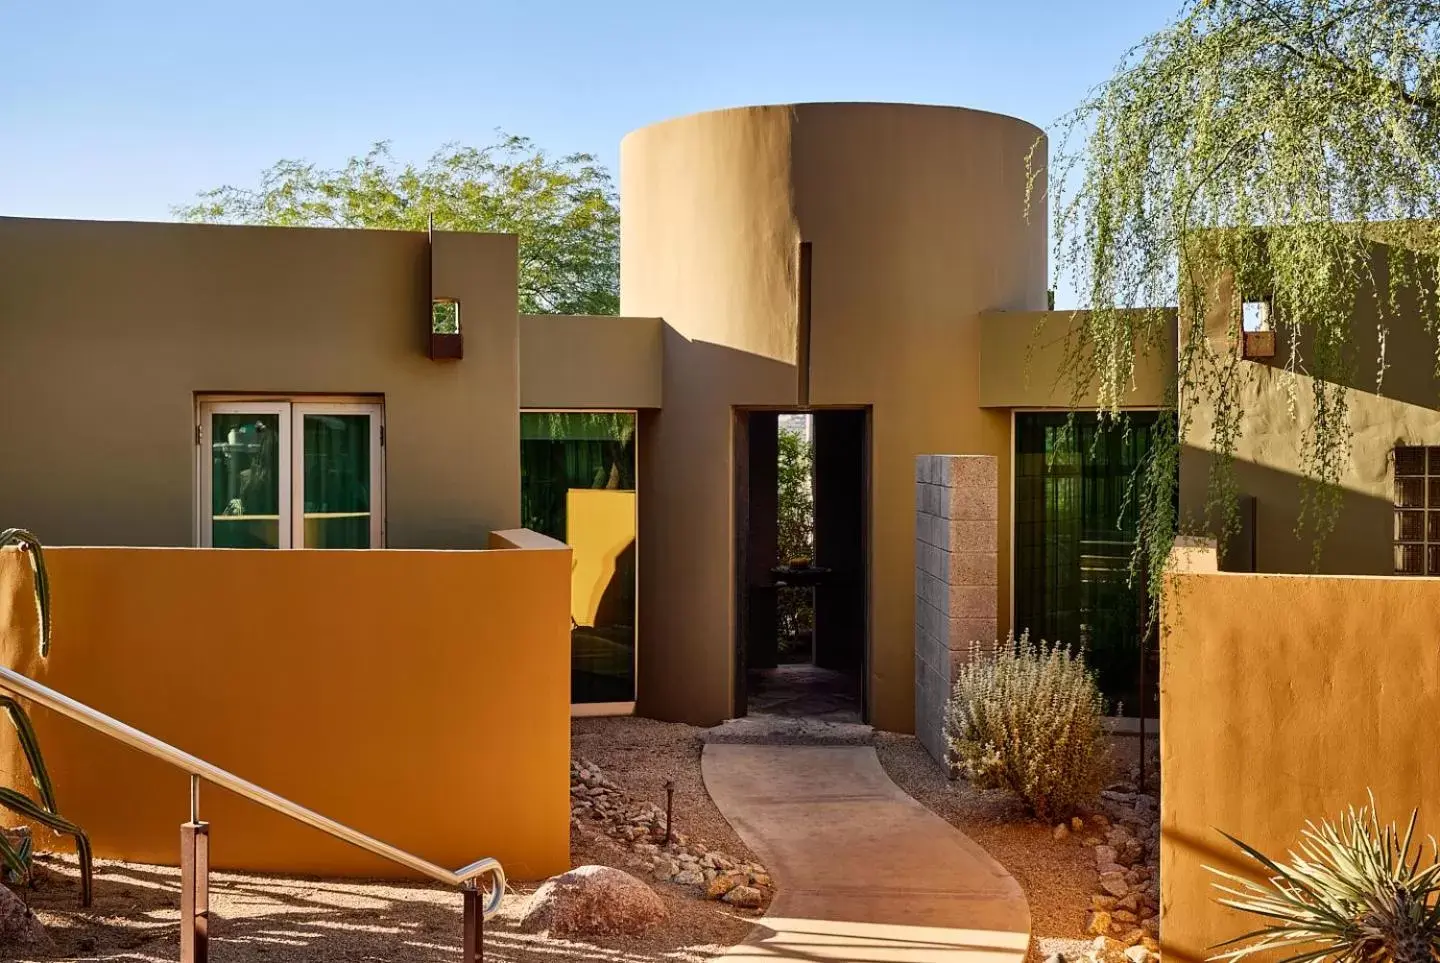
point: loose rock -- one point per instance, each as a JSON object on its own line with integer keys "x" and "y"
{"x": 641, "y": 828}
{"x": 744, "y": 897}
{"x": 593, "y": 901}
{"x": 19, "y": 929}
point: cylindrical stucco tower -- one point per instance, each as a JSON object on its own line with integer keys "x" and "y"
{"x": 913, "y": 223}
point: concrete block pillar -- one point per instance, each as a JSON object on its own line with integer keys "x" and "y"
{"x": 957, "y": 593}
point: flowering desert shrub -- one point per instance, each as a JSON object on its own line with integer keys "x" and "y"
{"x": 1027, "y": 717}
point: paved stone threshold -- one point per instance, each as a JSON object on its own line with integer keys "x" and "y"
{"x": 864, "y": 872}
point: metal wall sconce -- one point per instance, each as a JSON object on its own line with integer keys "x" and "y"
{"x": 446, "y": 341}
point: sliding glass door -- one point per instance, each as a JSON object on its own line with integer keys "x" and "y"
{"x": 1075, "y": 530}
{"x": 283, "y": 474}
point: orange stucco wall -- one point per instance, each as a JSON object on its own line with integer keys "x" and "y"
{"x": 421, "y": 697}
{"x": 1285, "y": 698}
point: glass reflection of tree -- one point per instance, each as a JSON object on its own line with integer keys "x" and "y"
{"x": 255, "y": 483}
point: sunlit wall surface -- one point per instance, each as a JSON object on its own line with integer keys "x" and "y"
{"x": 577, "y": 484}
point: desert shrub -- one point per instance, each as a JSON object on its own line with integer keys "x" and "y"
{"x": 1356, "y": 891}
{"x": 1027, "y": 717}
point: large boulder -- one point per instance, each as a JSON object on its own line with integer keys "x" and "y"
{"x": 593, "y": 901}
{"x": 19, "y": 929}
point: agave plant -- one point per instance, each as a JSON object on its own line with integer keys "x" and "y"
{"x": 17, "y": 858}
{"x": 1358, "y": 892}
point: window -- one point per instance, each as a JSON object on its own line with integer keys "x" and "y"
{"x": 1075, "y": 531}
{"x": 1255, "y": 315}
{"x": 444, "y": 316}
{"x": 291, "y": 474}
{"x": 577, "y": 484}
{"x": 1417, "y": 511}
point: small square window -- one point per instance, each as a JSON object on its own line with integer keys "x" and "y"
{"x": 1255, "y": 315}
{"x": 445, "y": 316}
{"x": 1409, "y": 461}
{"x": 1409, "y": 526}
{"x": 1409, "y": 560}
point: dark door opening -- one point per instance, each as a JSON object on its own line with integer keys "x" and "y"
{"x": 802, "y": 549}
{"x": 1075, "y": 532}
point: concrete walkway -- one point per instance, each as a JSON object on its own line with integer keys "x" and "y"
{"x": 864, "y": 872}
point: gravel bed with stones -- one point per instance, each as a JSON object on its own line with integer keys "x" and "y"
{"x": 618, "y": 798}
{"x": 264, "y": 919}
{"x": 1060, "y": 877}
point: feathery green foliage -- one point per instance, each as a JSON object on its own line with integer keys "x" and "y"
{"x": 1271, "y": 138}
{"x": 1354, "y": 892}
{"x": 564, "y": 210}
{"x": 1028, "y": 717}
{"x": 17, "y": 859}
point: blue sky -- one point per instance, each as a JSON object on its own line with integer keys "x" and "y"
{"x": 119, "y": 110}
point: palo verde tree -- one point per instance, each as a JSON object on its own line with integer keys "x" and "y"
{"x": 1280, "y": 139}
{"x": 563, "y": 209}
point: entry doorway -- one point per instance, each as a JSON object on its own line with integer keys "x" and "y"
{"x": 802, "y": 520}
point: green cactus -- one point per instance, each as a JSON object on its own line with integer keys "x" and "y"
{"x": 17, "y": 858}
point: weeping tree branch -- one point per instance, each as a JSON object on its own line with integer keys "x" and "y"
{"x": 1252, "y": 147}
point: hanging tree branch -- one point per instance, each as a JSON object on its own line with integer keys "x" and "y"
{"x": 1278, "y": 144}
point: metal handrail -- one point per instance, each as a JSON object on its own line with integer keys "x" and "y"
{"x": 464, "y": 877}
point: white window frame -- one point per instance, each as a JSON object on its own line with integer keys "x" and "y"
{"x": 291, "y": 412}
{"x": 204, "y": 515}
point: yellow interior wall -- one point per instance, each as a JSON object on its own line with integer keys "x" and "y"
{"x": 421, "y": 697}
{"x": 599, "y": 526}
{"x": 1284, "y": 699}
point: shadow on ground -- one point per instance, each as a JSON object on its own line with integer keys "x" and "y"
{"x": 135, "y": 917}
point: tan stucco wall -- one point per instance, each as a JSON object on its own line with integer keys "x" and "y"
{"x": 708, "y": 242}
{"x": 109, "y": 330}
{"x": 1286, "y": 698}
{"x": 1403, "y": 409}
{"x": 916, "y": 220}
{"x": 590, "y": 362}
{"x": 421, "y": 697}
{"x": 1025, "y": 362}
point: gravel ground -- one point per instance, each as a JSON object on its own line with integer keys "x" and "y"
{"x": 1057, "y": 877}
{"x": 641, "y": 754}
{"x": 277, "y": 920}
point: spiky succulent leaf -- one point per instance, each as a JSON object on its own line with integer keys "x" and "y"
{"x": 14, "y": 858}
{"x": 1357, "y": 892}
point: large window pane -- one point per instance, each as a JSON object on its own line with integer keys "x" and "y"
{"x": 1075, "y": 532}
{"x": 245, "y": 453}
{"x": 337, "y": 480}
{"x": 577, "y": 484}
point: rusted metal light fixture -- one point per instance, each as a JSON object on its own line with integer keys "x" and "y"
{"x": 446, "y": 340}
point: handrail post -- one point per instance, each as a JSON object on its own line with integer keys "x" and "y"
{"x": 473, "y": 950}
{"x": 194, "y": 892}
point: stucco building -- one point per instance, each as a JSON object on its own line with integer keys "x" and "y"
{"x": 869, "y": 264}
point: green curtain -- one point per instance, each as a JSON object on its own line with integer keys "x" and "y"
{"x": 1075, "y": 533}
